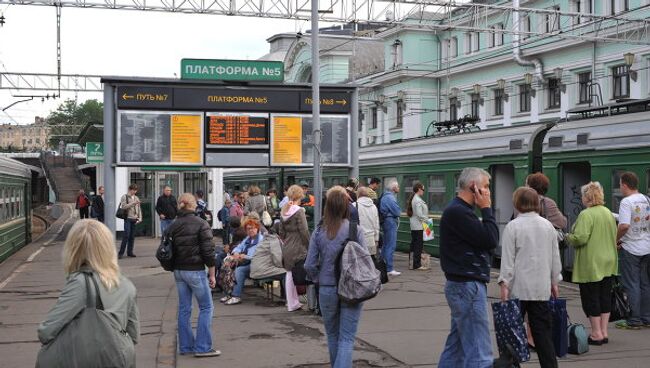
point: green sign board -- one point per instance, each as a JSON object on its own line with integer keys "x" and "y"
{"x": 94, "y": 152}
{"x": 232, "y": 70}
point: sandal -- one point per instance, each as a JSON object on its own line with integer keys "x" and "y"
{"x": 591, "y": 341}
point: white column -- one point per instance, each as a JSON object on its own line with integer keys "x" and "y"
{"x": 217, "y": 200}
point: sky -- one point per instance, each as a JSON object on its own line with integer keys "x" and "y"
{"x": 120, "y": 42}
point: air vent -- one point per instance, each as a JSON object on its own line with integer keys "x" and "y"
{"x": 555, "y": 141}
{"x": 583, "y": 139}
{"x": 516, "y": 144}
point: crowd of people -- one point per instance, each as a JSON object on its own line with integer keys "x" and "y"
{"x": 530, "y": 270}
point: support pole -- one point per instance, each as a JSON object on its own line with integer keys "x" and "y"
{"x": 315, "y": 95}
{"x": 354, "y": 136}
{"x": 110, "y": 205}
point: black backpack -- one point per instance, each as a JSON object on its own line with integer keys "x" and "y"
{"x": 165, "y": 254}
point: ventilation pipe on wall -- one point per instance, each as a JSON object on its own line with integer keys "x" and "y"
{"x": 516, "y": 50}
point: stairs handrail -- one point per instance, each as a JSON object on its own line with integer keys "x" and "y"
{"x": 43, "y": 157}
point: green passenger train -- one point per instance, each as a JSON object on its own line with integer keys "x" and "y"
{"x": 15, "y": 206}
{"x": 590, "y": 144}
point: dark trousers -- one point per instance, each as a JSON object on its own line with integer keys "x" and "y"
{"x": 596, "y": 297}
{"x": 417, "y": 244}
{"x": 541, "y": 326}
{"x": 225, "y": 235}
{"x": 128, "y": 237}
{"x": 83, "y": 212}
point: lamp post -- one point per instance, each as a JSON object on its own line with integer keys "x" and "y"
{"x": 476, "y": 88}
{"x": 629, "y": 61}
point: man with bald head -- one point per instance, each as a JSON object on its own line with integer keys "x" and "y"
{"x": 166, "y": 207}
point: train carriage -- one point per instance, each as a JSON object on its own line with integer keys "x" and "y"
{"x": 15, "y": 206}
{"x": 591, "y": 144}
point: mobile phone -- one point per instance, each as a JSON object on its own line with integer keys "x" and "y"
{"x": 473, "y": 188}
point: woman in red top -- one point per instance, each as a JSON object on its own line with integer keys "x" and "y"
{"x": 82, "y": 204}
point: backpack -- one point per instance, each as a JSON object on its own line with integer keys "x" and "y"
{"x": 165, "y": 254}
{"x": 358, "y": 278}
{"x": 219, "y": 215}
{"x": 578, "y": 343}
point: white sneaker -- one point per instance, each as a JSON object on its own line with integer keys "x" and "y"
{"x": 224, "y": 299}
{"x": 394, "y": 273}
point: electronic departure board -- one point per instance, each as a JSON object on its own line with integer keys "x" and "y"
{"x": 228, "y": 130}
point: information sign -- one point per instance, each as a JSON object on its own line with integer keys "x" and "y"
{"x": 159, "y": 138}
{"x": 232, "y": 70}
{"x": 94, "y": 152}
{"x": 291, "y": 140}
{"x": 225, "y": 130}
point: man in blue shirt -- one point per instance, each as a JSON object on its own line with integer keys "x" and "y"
{"x": 466, "y": 244}
{"x": 390, "y": 212}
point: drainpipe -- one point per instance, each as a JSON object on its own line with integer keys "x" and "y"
{"x": 516, "y": 50}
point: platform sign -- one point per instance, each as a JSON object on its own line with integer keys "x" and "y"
{"x": 237, "y": 130}
{"x": 232, "y": 70}
{"x": 94, "y": 152}
{"x": 159, "y": 138}
{"x": 291, "y": 140}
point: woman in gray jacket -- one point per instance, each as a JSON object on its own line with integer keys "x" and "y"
{"x": 368, "y": 219}
{"x": 256, "y": 202}
{"x": 89, "y": 248}
{"x": 417, "y": 212}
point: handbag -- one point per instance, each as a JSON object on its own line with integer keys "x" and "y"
{"x": 93, "y": 339}
{"x": 299, "y": 274}
{"x": 122, "y": 213}
{"x": 578, "y": 339}
{"x": 559, "y": 232}
{"x": 560, "y": 328}
{"x": 620, "y": 304}
{"x": 509, "y": 328}
{"x": 380, "y": 265}
{"x": 427, "y": 227}
{"x": 165, "y": 254}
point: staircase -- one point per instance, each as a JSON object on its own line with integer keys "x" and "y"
{"x": 63, "y": 177}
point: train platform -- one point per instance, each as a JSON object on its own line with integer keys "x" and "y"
{"x": 405, "y": 326}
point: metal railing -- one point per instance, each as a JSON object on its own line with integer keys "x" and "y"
{"x": 43, "y": 157}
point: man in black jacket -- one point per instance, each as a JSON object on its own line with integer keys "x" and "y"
{"x": 166, "y": 208}
{"x": 97, "y": 210}
{"x": 466, "y": 244}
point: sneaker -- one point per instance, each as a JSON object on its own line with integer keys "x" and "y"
{"x": 422, "y": 268}
{"x": 623, "y": 325}
{"x": 224, "y": 299}
{"x": 207, "y": 354}
{"x": 394, "y": 273}
{"x": 232, "y": 301}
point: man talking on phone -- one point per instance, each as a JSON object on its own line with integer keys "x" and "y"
{"x": 466, "y": 243}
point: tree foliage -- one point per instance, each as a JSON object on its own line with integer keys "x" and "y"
{"x": 72, "y": 113}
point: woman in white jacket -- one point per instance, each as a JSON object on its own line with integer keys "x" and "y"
{"x": 368, "y": 219}
{"x": 417, "y": 212}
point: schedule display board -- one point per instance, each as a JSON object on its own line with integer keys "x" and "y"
{"x": 160, "y": 138}
{"x": 291, "y": 137}
{"x": 237, "y": 130}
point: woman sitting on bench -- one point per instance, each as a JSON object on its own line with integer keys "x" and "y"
{"x": 243, "y": 254}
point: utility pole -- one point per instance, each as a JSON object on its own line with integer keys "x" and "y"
{"x": 315, "y": 97}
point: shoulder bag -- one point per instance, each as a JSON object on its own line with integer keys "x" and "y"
{"x": 93, "y": 339}
{"x": 123, "y": 213}
{"x": 560, "y": 232}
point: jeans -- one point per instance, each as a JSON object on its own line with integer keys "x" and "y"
{"x": 541, "y": 326}
{"x": 128, "y": 237}
{"x": 188, "y": 283}
{"x": 164, "y": 224}
{"x": 341, "y": 322}
{"x": 469, "y": 344}
{"x": 634, "y": 275}
{"x": 390, "y": 242}
{"x": 241, "y": 274}
{"x": 417, "y": 244}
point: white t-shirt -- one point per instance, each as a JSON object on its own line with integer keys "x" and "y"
{"x": 635, "y": 211}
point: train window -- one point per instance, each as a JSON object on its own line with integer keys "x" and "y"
{"x": 2, "y": 206}
{"x": 617, "y": 195}
{"x": 436, "y": 190}
{"x": 409, "y": 182}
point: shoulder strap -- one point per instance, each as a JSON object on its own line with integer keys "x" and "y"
{"x": 97, "y": 304}
{"x": 352, "y": 234}
{"x": 543, "y": 207}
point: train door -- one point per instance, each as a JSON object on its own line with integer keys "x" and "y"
{"x": 162, "y": 180}
{"x": 503, "y": 185}
{"x": 573, "y": 175}
{"x": 145, "y": 183}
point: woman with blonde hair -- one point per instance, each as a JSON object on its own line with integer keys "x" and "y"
{"x": 89, "y": 249}
{"x": 294, "y": 232}
{"x": 193, "y": 251}
{"x": 256, "y": 202}
{"x": 596, "y": 259}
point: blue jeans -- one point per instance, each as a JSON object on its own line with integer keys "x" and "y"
{"x": 390, "y": 242}
{"x": 128, "y": 238}
{"x": 164, "y": 224}
{"x": 469, "y": 344}
{"x": 341, "y": 322}
{"x": 634, "y": 275}
{"x": 241, "y": 274}
{"x": 188, "y": 283}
